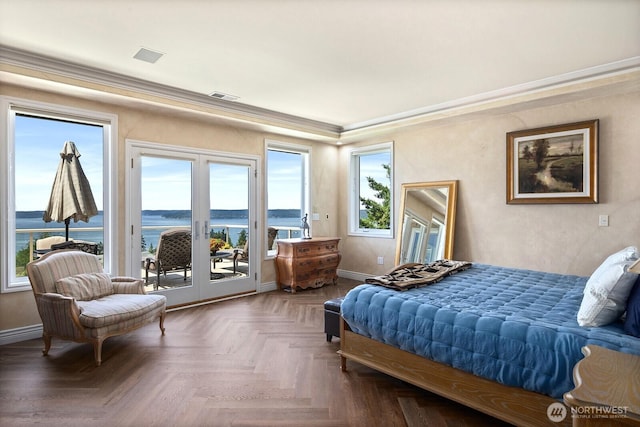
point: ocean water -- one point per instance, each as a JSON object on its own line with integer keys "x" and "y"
{"x": 153, "y": 223}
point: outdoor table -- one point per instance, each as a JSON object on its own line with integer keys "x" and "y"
{"x": 219, "y": 256}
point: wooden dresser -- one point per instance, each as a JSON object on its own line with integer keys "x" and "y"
{"x": 307, "y": 263}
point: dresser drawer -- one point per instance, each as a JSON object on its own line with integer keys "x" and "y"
{"x": 312, "y": 250}
{"x": 323, "y": 261}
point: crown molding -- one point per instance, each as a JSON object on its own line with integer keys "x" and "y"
{"x": 59, "y": 71}
{"x": 615, "y": 78}
{"x": 66, "y": 77}
{"x": 592, "y": 73}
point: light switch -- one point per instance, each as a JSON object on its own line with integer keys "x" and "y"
{"x": 603, "y": 220}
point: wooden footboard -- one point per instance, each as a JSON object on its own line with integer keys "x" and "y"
{"x": 513, "y": 405}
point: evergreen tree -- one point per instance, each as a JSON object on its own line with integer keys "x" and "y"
{"x": 242, "y": 238}
{"x": 378, "y": 210}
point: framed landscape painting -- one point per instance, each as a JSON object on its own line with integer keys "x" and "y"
{"x": 555, "y": 164}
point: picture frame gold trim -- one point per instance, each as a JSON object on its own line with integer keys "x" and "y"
{"x": 553, "y": 164}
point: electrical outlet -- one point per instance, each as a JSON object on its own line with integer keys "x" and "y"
{"x": 603, "y": 220}
{"x": 380, "y": 260}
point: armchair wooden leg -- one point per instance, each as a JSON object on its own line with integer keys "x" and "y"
{"x": 47, "y": 343}
{"x": 162, "y": 323}
{"x": 97, "y": 351}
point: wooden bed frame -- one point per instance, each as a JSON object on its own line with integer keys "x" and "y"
{"x": 511, "y": 404}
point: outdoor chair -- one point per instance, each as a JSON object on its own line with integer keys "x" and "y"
{"x": 44, "y": 245}
{"x": 243, "y": 254}
{"x": 173, "y": 253}
{"x": 88, "y": 247}
{"x": 272, "y": 233}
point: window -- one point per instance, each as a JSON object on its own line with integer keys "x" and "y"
{"x": 371, "y": 191}
{"x": 287, "y": 190}
{"x": 33, "y": 139}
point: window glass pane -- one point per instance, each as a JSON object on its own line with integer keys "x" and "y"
{"x": 229, "y": 204}
{"x": 371, "y": 191}
{"x": 374, "y": 190}
{"x": 286, "y": 194}
{"x": 38, "y": 143}
{"x": 165, "y": 187}
{"x": 229, "y": 221}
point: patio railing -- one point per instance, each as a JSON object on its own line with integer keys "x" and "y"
{"x": 35, "y": 233}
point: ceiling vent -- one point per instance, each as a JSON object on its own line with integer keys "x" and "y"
{"x": 224, "y": 96}
{"x": 148, "y": 55}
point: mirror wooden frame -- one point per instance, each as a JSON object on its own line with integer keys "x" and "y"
{"x": 450, "y": 214}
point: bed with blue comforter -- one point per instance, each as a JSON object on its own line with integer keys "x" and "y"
{"x": 512, "y": 326}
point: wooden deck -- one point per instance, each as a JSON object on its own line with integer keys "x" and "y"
{"x": 223, "y": 271}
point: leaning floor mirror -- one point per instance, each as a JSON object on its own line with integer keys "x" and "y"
{"x": 427, "y": 219}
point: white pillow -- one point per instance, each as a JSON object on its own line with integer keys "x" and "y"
{"x": 86, "y": 286}
{"x": 607, "y": 290}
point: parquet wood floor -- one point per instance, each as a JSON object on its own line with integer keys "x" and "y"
{"x": 261, "y": 360}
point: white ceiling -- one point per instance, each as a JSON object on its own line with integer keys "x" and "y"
{"x": 349, "y": 63}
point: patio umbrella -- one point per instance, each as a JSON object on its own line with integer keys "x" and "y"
{"x": 71, "y": 196}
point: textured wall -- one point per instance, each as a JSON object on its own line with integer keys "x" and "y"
{"x": 557, "y": 238}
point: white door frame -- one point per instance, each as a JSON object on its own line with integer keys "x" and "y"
{"x": 200, "y": 190}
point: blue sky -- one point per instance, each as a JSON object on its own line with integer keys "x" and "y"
{"x": 285, "y": 171}
{"x": 165, "y": 181}
{"x": 37, "y": 155}
{"x": 166, "y": 184}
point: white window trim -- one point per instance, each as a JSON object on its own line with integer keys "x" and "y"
{"x": 271, "y": 144}
{"x": 9, "y": 105}
{"x": 354, "y": 185}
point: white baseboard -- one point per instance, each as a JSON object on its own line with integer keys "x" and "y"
{"x": 353, "y": 275}
{"x": 25, "y": 333}
{"x": 267, "y": 287}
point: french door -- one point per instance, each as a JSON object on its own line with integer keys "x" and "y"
{"x": 192, "y": 221}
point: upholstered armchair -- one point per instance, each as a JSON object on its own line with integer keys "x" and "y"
{"x": 77, "y": 301}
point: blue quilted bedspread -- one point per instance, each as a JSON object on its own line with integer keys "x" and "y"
{"x": 516, "y": 327}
